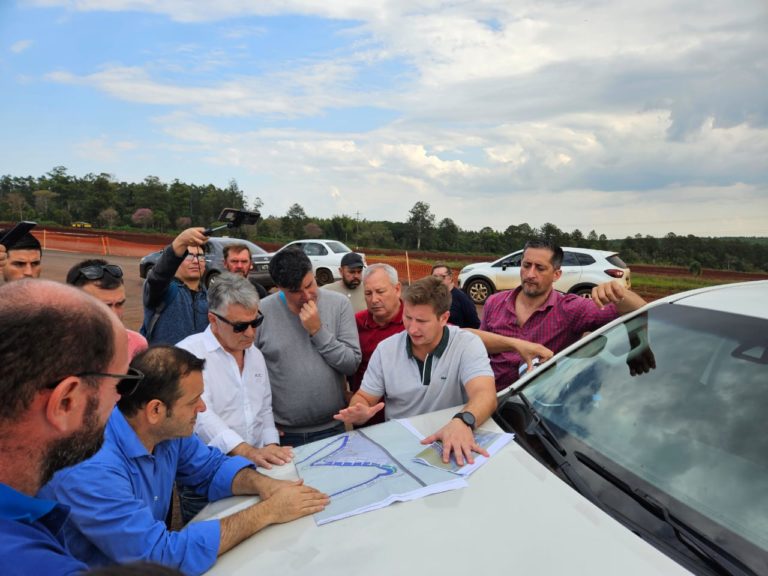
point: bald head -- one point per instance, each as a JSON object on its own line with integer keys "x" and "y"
{"x": 50, "y": 331}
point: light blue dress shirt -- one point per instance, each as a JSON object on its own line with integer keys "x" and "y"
{"x": 119, "y": 500}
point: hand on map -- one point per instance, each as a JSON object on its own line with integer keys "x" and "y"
{"x": 458, "y": 438}
{"x": 272, "y": 454}
{"x": 268, "y": 487}
{"x": 358, "y": 413}
{"x": 294, "y": 500}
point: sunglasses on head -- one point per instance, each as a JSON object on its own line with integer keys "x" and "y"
{"x": 96, "y": 271}
{"x": 238, "y": 327}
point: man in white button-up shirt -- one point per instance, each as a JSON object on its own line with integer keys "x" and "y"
{"x": 239, "y": 418}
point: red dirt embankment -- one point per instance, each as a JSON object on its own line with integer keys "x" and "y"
{"x": 708, "y": 273}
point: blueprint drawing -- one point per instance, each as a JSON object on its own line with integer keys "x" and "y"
{"x": 368, "y": 469}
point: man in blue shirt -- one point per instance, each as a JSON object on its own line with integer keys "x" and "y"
{"x": 62, "y": 354}
{"x": 120, "y": 497}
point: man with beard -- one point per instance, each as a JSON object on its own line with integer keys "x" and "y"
{"x": 536, "y": 312}
{"x": 62, "y": 354}
{"x": 174, "y": 295}
{"x": 351, "y": 271}
{"x": 238, "y": 260}
{"x": 120, "y": 497}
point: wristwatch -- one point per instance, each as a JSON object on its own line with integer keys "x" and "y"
{"x": 467, "y": 417}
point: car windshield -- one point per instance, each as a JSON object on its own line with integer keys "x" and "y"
{"x": 338, "y": 247}
{"x": 691, "y": 429}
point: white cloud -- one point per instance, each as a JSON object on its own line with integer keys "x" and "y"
{"x": 20, "y": 46}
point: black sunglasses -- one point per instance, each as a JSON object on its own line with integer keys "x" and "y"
{"x": 128, "y": 382}
{"x": 96, "y": 271}
{"x": 238, "y": 327}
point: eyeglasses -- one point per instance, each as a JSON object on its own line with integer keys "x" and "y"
{"x": 191, "y": 256}
{"x": 238, "y": 327}
{"x": 128, "y": 382}
{"x": 96, "y": 271}
{"x": 442, "y": 276}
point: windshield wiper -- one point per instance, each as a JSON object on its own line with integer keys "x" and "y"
{"x": 536, "y": 425}
{"x": 717, "y": 559}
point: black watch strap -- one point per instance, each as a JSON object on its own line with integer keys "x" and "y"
{"x": 467, "y": 417}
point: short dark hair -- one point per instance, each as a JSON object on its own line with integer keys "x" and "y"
{"x": 48, "y": 339}
{"x": 429, "y": 290}
{"x": 288, "y": 268}
{"x": 163, "y": 368}
{"x": 547, "y": 244}
{"x": 235, "y": 248}
{"x": 107, "y": 281}
{"x": 26, "y": 242}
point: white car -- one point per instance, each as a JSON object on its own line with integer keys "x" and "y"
{"x": 583, "y": 269}
{"x": 325, "y": 255}
{"x": 660, "y": 473}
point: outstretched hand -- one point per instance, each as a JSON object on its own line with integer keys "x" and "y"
{"x": 358, "y": 413}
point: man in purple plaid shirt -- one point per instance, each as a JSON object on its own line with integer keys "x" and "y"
{"x": 534, "y": 311}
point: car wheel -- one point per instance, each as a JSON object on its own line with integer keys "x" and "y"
{"x": 479, "y": 290}
{"x": 584, "y": 292}
{"x": 323, "y": 276}
{"x": 209, "y": 278}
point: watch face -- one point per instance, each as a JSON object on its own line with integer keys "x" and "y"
{"x": 466, "y": 417}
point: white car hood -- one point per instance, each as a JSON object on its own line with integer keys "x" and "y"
{"x": 515, "y": 517}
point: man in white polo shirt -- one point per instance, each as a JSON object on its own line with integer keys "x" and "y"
{"x": 429, "y": 366}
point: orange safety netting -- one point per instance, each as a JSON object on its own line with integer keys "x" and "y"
{"x": 408, "y": 270}
{"x": 92, "y": 244}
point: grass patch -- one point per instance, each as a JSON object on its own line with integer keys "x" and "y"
{"x": 671, "y": 284}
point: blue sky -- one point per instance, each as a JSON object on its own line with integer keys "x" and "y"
{"x": 620, "y": 116}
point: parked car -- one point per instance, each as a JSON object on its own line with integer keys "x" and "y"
{"x": 214, "y": 261}
{"x": 661, "y": 473}
{"x": 325, "y": 255}
{"x": 676, "y": 452}
{"x": 583, "y": 269}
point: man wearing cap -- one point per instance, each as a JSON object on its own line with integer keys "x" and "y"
{"x": 351, "y": 271}
{"x": 104, "y": 281}
{"x": 24, "y": 259}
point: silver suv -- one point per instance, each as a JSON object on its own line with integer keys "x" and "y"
{"x": 583, "y": 269}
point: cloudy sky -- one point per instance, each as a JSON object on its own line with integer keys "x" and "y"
{"x": 621, "y": 116}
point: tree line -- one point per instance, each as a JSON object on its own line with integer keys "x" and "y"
{"x": 61, "y": 198}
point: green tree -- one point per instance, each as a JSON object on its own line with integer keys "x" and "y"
{"x": 421, "y": 222}
{"x": 294, "y": 220}
{"x": 447, "y": 234}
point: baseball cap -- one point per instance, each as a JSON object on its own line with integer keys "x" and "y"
{"x": 352, "y": 260}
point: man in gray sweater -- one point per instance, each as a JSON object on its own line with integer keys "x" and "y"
{"x": 310, "y": 343}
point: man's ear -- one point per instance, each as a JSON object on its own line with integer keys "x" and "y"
{"x": 66, "y": 404}
{"x": 558, "y": 273}
{"x": 443, "y": 318}
{"x": 154, "y": 410}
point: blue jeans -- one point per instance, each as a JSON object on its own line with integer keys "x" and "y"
{"x": 299, "y": 438}
{"x": 190, "y": 502}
